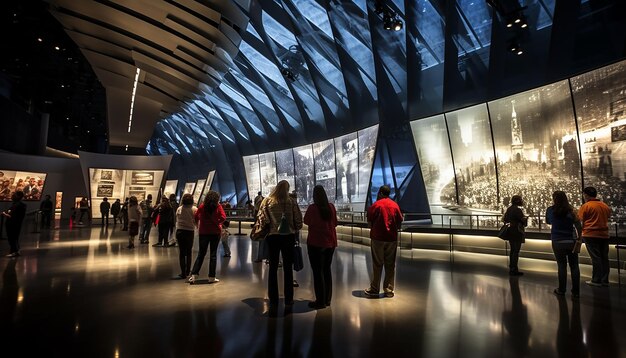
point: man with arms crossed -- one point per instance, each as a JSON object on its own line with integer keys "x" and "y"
{"x": 594, "y": 216}
{"x": 384, "y": 219}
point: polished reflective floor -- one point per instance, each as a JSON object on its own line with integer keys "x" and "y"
{"x": 80, "y": 292}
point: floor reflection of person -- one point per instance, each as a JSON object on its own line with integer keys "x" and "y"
{"x": 600, "y": 332}
{"x": 569, "y": 336}
{"x": 515, "y": 320}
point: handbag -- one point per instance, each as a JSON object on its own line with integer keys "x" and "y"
{"x": 577, "y": 245}
{"x": 298, "y": 263}
{"x": 261, "y": 227}
{"x": 504, "y": 231}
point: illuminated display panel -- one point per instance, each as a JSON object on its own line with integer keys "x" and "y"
{"x": 325, "y": 171}
{"x": 600, "y": 100}
{"x": 267, "y": 166}
{"x": 536, "y": 147}
{"x": 472, "y": 150}
{"x": 285, "y": 167}
{"x": 367, "y": 152}
{"x": 31, "y": 184}
{"x": 347, "y": 153}
{"x": 305, "y": 177}
{"x": 188, "y": 188}
{"x": 433, "y": 151}
{"x": 121, "y": 184}
{"x": 197, "y": 191}
{"x": 170, "y": 188}
{"x": 207, "y": 185}
{"x": 253, "y": 174}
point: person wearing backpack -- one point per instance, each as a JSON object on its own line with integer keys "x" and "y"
{"x": 284, "y": 219}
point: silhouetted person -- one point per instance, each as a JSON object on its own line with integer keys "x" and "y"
{"x": 515, "y": 321}
{"x": 14, "y": 217}
{"x": 115, "y": 210}
{"x": 46, "y": 211}
{"x": 105, "y": 207}
{"x": 517, "y": 221}
{"x": 594, "y": 215}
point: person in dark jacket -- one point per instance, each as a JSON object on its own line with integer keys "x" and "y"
{"x": 115, "y": 210}
{"x": 105, "y": 207}
{"x": 13, "y": 222}
{"x": 46, "y": 211}
{"x": 124, "y": 215}
{"x": 514, "y": 216}
{"x": 166, "y": 220}
{"x": 174, "y": 204}
{"x": 563, "y": 219}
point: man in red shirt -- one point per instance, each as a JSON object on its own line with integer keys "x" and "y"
{"x": 384, "y": 219}
{"x": 594, "y": 216}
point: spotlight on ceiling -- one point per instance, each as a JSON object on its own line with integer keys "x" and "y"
{"x": 516, "y": 48}
{"x": 391, "y": 20}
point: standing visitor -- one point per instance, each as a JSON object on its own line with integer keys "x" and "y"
{"x": 134, "y": 216}
{"x": 384, "y": 219}
{"x": 146, "y": 219}
{"x": 594, "y": 215}
{"x": 105, "y": 206}
{"x": 321, "y": 218}
{"x": 210, "y": 217}
{"x": 563, "y": 218}
{"x": 514, "y": 216}
{"x": 46, "y": 211}
{"x": 115, "y": 211}
{"x": 84, "y": 209}
{"x": 285, "y": 219}
{"x": 166, "y": 219}
{"x": 185, "y": 226}
{"x": 174, "y": 205}
{"x": 13, "y": 222}
{"x": 124, "y": 215}
{"x": 224, "y": 238}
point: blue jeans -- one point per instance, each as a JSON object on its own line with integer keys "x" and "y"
{"x": 563, "y": 254}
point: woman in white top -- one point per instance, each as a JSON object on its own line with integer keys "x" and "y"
{"x": 185, "y": 226}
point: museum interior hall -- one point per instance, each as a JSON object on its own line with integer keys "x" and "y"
{"x": 461, "y": 110}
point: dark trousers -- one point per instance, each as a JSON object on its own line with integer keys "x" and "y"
{"x": 115, "y": 218}
{"x": 516, "y": 247}
{"x": 280, "y": 244}
{"x": 185, "y": 244}
{"x": 599, "y": 252}
{"x": 146, "y": 227}
{"x": 205, "y": 242}
{"x": 320, "y": 259}
{"x": 563, "y": 254}
{"x": 105, "y": 219}
{"x": 83, "y": 212}
{"x": 164, "y": 233}
{"x": 46, "y": 218}
{"x": 13, "y": 235}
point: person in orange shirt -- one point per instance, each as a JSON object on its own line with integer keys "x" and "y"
{"x": 594, "y": 215}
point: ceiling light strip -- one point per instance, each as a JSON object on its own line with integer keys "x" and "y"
{"x": 132, "y": 100}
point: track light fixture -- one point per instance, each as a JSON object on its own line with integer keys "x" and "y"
{"x": 391, "y": 20}
{"x": 516, "y": 48}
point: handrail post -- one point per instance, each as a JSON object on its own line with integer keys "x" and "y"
{"x": 450, "y": 234}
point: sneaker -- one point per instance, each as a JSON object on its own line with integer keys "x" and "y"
{"x": 594, "y": 284}
{"x": 14, "y": 254}
{"x": 558, "y": 293}
{"x": 370, "y": 293}
{"x": 192, "y": 279}
{"x": 213, "y": 280}
{"x": 389, "y": 294}
{"x": 295, "y": 283}
{"x": 156, "y": 245}
{"x": 130, "y": 247}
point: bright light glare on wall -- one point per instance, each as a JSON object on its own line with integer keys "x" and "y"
{"x": 132, "y": 100}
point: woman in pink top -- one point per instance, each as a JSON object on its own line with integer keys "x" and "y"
{"x": 210, "y": 216}
{"x": 321, "y": 219}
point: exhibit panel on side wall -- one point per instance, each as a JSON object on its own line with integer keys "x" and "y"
{"x": 170, "y": 188}
{"x": 121, "y": 184}
{"x": 367, "y": 152}
{"x": 536, "y": 147}
{"x": 325, "y": 171}
{"x": 253, "y": 175}
{"x": 285, "y": 168}
{"x": 31, "y": 184}
{"x": 474, "y": 163}
{"x": 435, "y": 158}
{"x": 305, "y": 173}
{"x": 197, "y": 192}
{"x": 207, "y": 185}
{"x": 600, "y": 101}
{"x": 347, "y": 159}
{"x": 188, "y": 188}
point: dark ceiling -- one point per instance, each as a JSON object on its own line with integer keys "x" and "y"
{"x": 43, "y": 71}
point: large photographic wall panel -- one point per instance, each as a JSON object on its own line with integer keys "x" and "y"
{"x": 472, "y": 150}
{"x": 342, "y": 165}
{"x": 325, "y": 171}
{"x": 536, "y": 146}
{"x": 305, "y": 173}
{"x": 433, "y": 150}
{"x": 600, "y": 101}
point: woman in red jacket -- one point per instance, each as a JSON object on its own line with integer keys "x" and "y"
{"x": 321, "y": 218}
{"x": 210, "y": 215}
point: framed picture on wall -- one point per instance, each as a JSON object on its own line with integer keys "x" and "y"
{"x": 106, "y": 175}
{"x": 105, "y": 190}
{"x": 139, "y": 194}
{"x": 142, "y": 178}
